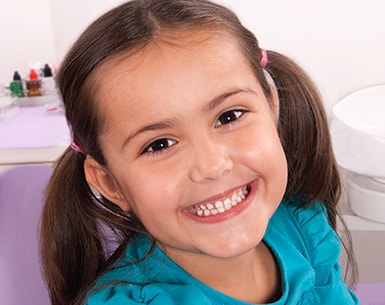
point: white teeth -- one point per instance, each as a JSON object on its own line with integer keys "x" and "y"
{"x": 219, "y": 204}
{"x": 235, "y": 199}
{"x": 209, "y": 209}
{"x": 221, "y": 210}
{"x": 227, "y": 204}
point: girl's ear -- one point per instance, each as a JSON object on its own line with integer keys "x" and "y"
{"x": 101, "y": 179}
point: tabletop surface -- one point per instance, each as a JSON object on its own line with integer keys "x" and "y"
{"x": 34, "y": 127}
{"x": 33, "y": 134}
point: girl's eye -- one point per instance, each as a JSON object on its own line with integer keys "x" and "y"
{"x": 159, "y": 145}
{"x": 229, "y": 116}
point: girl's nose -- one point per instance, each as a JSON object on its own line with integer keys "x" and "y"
{"x": 210, "y": 161}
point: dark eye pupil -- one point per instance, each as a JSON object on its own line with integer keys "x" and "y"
{"x": 227, "y": 117}
{"x": 159, "y": 145}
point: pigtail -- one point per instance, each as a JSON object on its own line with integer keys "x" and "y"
{"x": 69, "y": 233}
{"x": 82, "y": 234}
{"x": 304, "y": 131}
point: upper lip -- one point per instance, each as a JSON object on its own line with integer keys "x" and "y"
{"x": 220, "y": 196}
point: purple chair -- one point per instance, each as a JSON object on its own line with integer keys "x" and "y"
{"x": 371, "y": 293}
{"x": 21, "y": 198}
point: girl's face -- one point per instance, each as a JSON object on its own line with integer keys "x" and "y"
{"x": 192, "y": 146}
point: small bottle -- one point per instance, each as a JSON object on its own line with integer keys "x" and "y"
{"x": 33, "y": 84}
{"x": 47, "y": 72}
{"x": 16, "y": 86}
{"x": 48, "y": 85}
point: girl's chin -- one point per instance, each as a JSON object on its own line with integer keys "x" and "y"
{"x": 223, "y": 247}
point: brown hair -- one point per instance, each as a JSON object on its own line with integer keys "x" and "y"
{"x": 72, "y": 246}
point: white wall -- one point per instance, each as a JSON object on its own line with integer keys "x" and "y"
{"x": 26, "y": 36}
{"x": 340, "y": 43}
{"x": 71, "y": 17}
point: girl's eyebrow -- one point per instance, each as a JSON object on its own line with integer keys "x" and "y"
{"x": 155, "y": 126}
{"x": 221, "y": 98}
{"x": 167, "y": 123}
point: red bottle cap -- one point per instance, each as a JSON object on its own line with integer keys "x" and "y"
{"x": 33, "y": 75}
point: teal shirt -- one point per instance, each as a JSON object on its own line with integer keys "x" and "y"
{"x": 305, "y": 246}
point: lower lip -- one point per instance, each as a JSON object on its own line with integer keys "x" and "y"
{"x": 229, "y": 213}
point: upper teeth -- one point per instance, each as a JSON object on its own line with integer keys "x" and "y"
{"x": 220, "y": 206}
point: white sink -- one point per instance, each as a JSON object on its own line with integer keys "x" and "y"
{"x": 358, "y": 132}
{"x": 358, "y": 135}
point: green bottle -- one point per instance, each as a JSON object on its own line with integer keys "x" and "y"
{"x": 16, "y": 86}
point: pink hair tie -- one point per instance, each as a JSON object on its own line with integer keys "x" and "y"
{"x": 263, "y": 61}
{"x": 75, "y": 147}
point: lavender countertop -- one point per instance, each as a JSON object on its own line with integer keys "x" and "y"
{"x": 33, "y": 134}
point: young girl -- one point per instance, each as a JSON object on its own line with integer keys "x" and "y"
{"x": 212, "y": 174}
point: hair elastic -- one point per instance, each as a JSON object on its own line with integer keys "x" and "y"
{"x": 263, "y": 61}
{"x": 75, "y": 147}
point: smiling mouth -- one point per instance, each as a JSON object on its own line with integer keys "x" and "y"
{"x": 221, "y": 206}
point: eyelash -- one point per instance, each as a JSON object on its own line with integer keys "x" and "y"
{"x": 162, "y": 144}
{"x": 158, "y": 146}
{"x": 229, "y": 116}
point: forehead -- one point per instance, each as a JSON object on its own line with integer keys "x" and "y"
{"x": 165, "y": 62}
{"x": 164, "y": 41}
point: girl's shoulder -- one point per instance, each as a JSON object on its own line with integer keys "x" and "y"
{"x": 308, "y": 250}
{"x": 145, "y": 275}
{"x": 308, "y": 230}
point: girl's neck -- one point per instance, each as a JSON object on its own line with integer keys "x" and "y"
{"x": 253, "y": 277}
